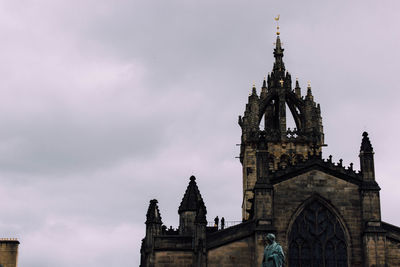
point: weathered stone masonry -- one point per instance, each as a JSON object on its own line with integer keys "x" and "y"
{"x": 322, "y": 213}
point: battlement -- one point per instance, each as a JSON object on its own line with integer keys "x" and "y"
{"x": 6, "y": 239}
{"x": 316, "y": 160}
{"x": 8, "y": 251}
{"x": 169, "y": 231}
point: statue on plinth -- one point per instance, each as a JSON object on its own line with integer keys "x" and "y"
{"x": 273, "y": 253}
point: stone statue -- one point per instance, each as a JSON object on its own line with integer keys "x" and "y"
{"x": 273, "y": 253}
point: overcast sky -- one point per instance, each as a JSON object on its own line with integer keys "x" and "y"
{"x": 105, "y": 105}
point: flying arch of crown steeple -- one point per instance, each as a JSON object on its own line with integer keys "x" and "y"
{"x": 296, "y": 107}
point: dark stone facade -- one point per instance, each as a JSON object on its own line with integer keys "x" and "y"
{"x": 322, "y": 213}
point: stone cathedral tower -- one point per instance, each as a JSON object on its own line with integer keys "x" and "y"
{"x": 322, "y": 213}
{"x": 276, "y": 146}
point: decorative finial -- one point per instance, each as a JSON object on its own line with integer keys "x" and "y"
{"x": 297, "y": 83}
{"x": 308, "y": 84}
{"x": 366, "y": 143}
{"x": 277, "y": 24}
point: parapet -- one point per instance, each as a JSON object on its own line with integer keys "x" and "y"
{"x": 9, "y": 252}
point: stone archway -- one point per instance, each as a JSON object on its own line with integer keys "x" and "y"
{"x": 317, "y": 238}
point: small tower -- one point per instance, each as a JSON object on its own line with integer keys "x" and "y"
{"x": 283, "y": 146}
{"x": 9, "y": 252}
{"x": 374, "y": 236}
{"x": 370, "y": 189}
{"x": 153, "y": 228}
{"x": 192, "y": 203}
{"x": 367, "y": 158}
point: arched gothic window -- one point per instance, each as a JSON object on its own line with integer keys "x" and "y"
{"x": 317, "y": 239}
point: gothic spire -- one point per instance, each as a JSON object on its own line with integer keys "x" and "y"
{"x": 297, "y": 84}
{"x": 254, "y": 90}
{"x": 297, "y": 89}
{"x": 264, "y": 83}
{"x": 279, "y": 66}
{"x": 153, "y": 213}
{"x": 367, "y": 165}
{"x": 192, "y": 199}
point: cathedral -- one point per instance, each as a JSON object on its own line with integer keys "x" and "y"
{"x": 321, "y": 212}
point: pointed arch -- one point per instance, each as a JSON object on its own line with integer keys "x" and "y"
{"x": 296, "y": 107}
{"x": 317, "y": 235}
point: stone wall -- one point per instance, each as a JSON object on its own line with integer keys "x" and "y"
{"x": 236, "y": 254}
{"x": 343, "y": 196}
{"x": 392, "y": 252}
{"x": 173, "y": 258}
{"x": 9, "y": 253}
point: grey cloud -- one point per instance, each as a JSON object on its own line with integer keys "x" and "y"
{"x": 106, "y": 105}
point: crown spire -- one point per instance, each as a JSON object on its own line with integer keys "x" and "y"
{"x": 278, "y": 51}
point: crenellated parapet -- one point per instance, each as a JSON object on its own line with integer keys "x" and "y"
{"x": 9, "y": 252}
{"x": 293, "y": 168}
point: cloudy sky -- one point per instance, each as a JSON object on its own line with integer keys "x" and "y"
{"x": 105, "y": 105}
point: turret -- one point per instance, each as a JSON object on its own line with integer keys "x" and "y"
{"x": 369, "y": 189}
{"x": 374, "y": 238}
{"x": 153, "y": 228}
{"x": 192, "y": 203}
{"x": 367, "y": 158}
{"x": 9, "y": 252}
{"x": 153, "y": 219}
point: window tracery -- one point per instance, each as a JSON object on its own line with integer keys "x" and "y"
{"x": 317, "y": 239}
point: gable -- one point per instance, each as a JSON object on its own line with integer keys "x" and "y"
{"x": 315, "y": 181}
{"x": 339, "y": 172}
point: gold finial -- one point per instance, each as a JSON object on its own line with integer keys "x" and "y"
{"x": 277, "y": 24}
{"x": 254, "y": 84}
{"x": 308, "y": 84}
{"x": 297, "y": 79}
